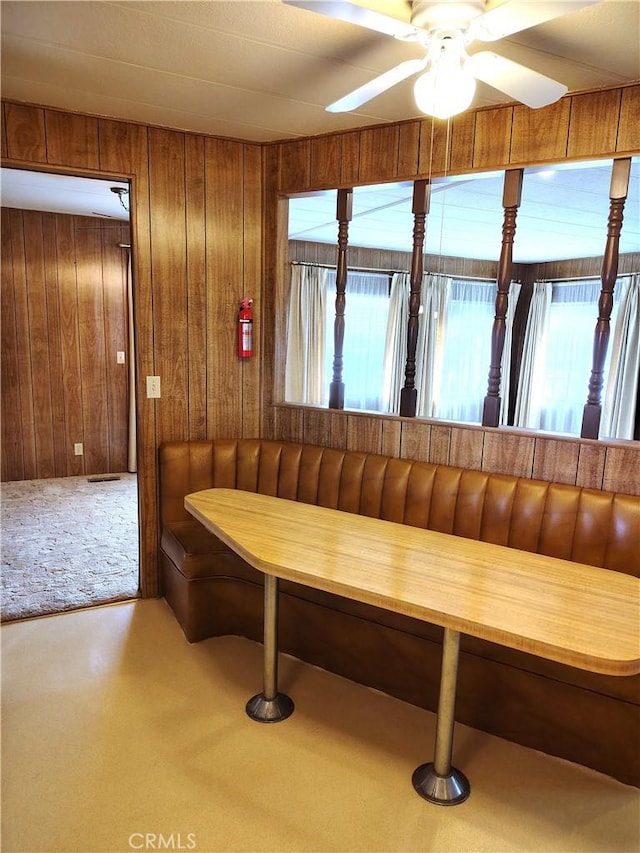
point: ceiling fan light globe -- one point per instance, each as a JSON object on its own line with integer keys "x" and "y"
{"x": 442, "y": 95}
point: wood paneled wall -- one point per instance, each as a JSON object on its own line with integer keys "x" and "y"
{"x": 578, "y": 461}
{"x": 597, "y": 124}
{"x": 594, "y": 125}
{"x": 209, "y": 227}
{"x": 196, "y": 229}
{"x": 64, "y": 317}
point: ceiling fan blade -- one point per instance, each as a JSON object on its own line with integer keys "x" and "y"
{"x": 344, "y": 11}
{"x": 524, "y": 84}
{"x": 377, "y": 86}
{"x": 516, "y": 15}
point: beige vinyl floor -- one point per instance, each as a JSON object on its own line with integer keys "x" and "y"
{"x": 118, "y": 735}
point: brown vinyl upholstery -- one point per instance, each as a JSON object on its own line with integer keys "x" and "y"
{"x": 541, "y": 704}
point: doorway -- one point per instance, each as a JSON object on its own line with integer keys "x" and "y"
{"x": 67, "y": 349}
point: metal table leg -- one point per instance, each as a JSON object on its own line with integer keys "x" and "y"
{"x": 270, "y": 706}
{"x": 438, "y": 781}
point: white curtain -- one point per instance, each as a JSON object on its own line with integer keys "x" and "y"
{"x": 305, "y": 361}
{"x": 467, "y": 350}
{"x": 395, "y": 345}
{"x": 132, "y": 452}
{"x": 622, "y": 383}
{"x": 558, "y": 354}
{"x": 454, "y": 346}
{"x": 431, "y": 332}
{"x": 528, "y": 400}
{"x": 505, "y": 375}
{"x": 366, "y": 314}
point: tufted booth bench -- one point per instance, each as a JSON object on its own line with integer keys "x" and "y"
{"x": 581, "y": 716}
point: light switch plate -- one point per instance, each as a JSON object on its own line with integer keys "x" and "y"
{"x": 153, "y": 386}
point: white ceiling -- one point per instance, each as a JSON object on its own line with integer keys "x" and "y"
{"x": 26, "y": 190}
{"x": 259, "y": 70}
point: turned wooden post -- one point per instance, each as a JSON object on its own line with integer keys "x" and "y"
{"x": 343, "y": 215}
{"x": 511, "y": 196}
{"x": 617, "y": 194}
{"x": 420, "y": 209}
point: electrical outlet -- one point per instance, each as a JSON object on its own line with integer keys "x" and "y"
{"x": 153, "y": 386}
{"x": 78, "y": 449}
{"x": 119, "y": 357}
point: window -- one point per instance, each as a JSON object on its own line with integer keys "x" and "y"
{"x": 558, "y": 355}
{"x": 364, "y": 334}
{"x": 466, "y": 351}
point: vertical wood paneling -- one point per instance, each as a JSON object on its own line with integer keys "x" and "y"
{"x": 540, "y": 136}
{"x": 391, "y": 436}
{"x": 70, "y": 341}
{"x": 416, "y": 441}
{"x": 379, "y": 153}
{"x": 594, "y": 123}
{"x": 561, "y": 460}
{"x": 466, "y": 448}
{"x": 95, "y": 416}
{"x": 124, "y": 150}
{"x": 289, "y": 423}
{"x": 317, "y": 427}
{"x": 508, "y": 453}
{"x": 196, "y": 285}
{"x": 61, "y": 384}
{"x": 23, "y": 337}
{"x": 621, "y": 470}
{"x": 274, "y": 288}
{"x": 38, "y": 323}
{"x": 591, "y": 458}
{"x": 26, "y": 137}
{"x": 72, "y": 138}
{"x": 224, "y": 194}
{"x": 440, "y": 445}
{"x": 252, "y": 255}
{"x": 408, "y": 149}
{"x": 295, "y": 165}
{"x": 54, "y": 335}
{"x": 492, "y": 142}
{"x": 12, "y": 460}
{"x": 555, "y": 461}
{"x": 168, "y": 245}
{"x": 338, "y": 429}
{"x": 326, "y": 160}
{"x": 114, "y": 283}
{"x": 3, "y": 134}
{"x": 435, "y": 138}
{"x": 364, "y": 434}
{"x": 350, "y": 158}
{"x": 463, "y": 132}
{"x": 629, "y": 126}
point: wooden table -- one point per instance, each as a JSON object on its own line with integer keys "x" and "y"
{"x": 576, "y": 614}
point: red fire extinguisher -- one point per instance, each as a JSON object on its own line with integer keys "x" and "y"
{"x": 245, "y": 329}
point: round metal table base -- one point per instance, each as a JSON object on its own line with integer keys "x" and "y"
{"x": 270, "y": 710}
{"x": 446, "y": 790}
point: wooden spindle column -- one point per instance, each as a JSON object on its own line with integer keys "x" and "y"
{"x": 617, "y": 194}
{"x": 420, "y": 209}
{"x": 343, "y": 215}
{"x": 511, "y": 197}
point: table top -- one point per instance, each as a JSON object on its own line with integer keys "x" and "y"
{"x": 576, "y": 614}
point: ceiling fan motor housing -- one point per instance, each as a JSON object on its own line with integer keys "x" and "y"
{"x": 450, "y": 14}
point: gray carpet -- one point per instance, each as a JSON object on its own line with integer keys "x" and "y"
{"x": 68, "y": 543}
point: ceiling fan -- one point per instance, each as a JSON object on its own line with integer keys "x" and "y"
{"x": 446, "y": 29}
